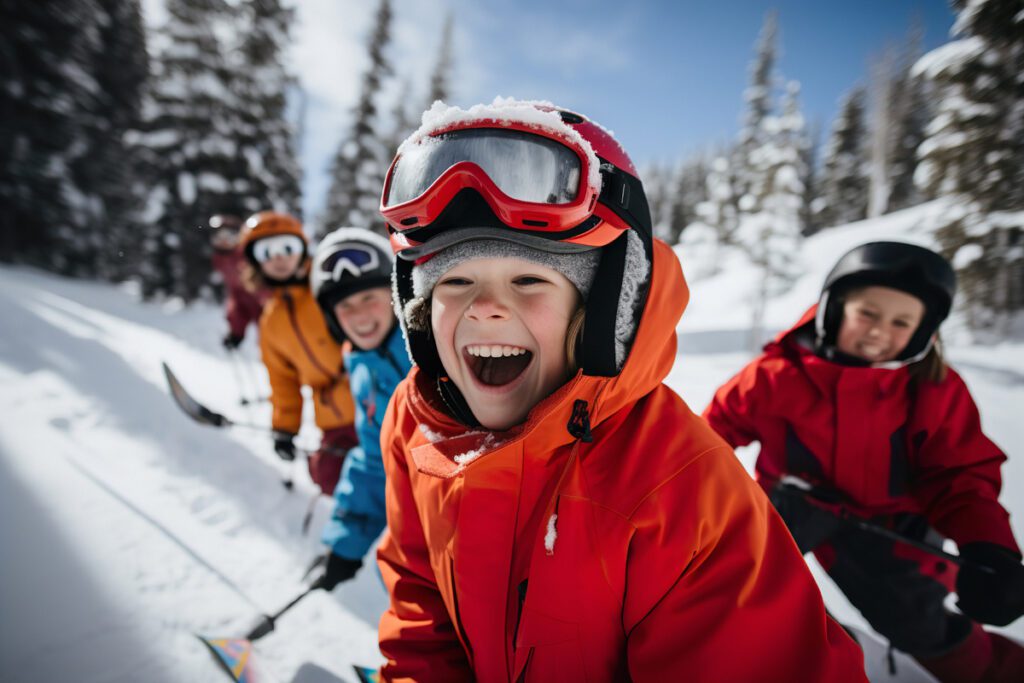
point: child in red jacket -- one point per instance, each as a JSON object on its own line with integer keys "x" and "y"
{"x": 555, "y": 512}
{"x": 857, "y": 414}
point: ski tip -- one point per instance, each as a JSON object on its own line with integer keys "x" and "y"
{"x": 367, "y": 675}
{"x": 234, "y": 655}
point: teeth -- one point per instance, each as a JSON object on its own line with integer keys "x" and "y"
{"x": 494, "y": 350}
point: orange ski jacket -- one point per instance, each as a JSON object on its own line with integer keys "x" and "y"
{"x": 866, "y": 433}
{"x": 297, "y": 349}
{"x": 611, "y": 537}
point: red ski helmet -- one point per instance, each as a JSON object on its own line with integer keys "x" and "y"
{"x": 526, "y": 172}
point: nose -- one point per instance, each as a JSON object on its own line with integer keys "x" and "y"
{"x": 487, "y": 306}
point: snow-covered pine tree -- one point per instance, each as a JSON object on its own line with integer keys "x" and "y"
{"x": 973, "y": 156}
{"x": 812, "y": 177}
{"x": 49, "y": 99}
{"x": 844, "y": 182}
{"x": 719, "y": 217}
{"x": 440, "y": 78}
{"x": 190, "y": 150}
{"x": 357, "y": 172}
{"x": 691, "y": 189}
{"x": 266, "y": 139}
{"x": 406, "y": 112}
{"x": 770, "y": 229}
{"x": 122, "y": 67}
{"x": 758, "y": 97}
{"x": 882, "y": 114}
{"x": 659, "y": 187}
{"x": 910, "y": 112}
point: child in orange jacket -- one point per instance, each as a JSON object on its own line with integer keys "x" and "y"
{"x": 857, "y": 414}
{"x": 555, "y": 512}
{"x": 296, "y": 346}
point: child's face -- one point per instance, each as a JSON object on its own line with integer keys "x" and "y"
{"x": 366, "y": 317}
{"x": 500, "y": 326}
{"x": 279, "y": 256}
{"x": 878, "y": 323}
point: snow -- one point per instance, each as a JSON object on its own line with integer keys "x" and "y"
{"x": 126, "y": 528}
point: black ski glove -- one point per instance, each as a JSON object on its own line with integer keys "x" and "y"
{"x": 338, "y": 569}
{"x": 809, "y": 523}
{"x": 231, "y": 341}
{"x": 995, "y": 597}
{"x": 284, "y": 445}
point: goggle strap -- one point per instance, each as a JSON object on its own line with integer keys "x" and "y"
{"x": 624, "y": 194}
{"x": 602, "y": 304}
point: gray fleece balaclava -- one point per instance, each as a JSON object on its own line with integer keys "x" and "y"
{"x": 579, "y": 268}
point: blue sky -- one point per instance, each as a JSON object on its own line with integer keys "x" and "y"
{"x": 666, "y": 77}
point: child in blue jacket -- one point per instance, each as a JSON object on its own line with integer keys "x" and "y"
{"x": 351, "y": 280}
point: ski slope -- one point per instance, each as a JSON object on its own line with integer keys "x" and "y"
{"x": 125, "y": 529}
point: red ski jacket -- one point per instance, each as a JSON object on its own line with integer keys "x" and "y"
{"x": 886, "y": 445}
{"x": 644, "y": 554}
{"x": 241, "y": 307}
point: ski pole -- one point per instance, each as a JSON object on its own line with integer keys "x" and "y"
{"x": 233, "y": 362}
{"x": 266, "y": 622}
{"x": 800, "y": 487}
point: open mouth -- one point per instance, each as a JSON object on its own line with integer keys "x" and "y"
{"x": 496, "y": 365}
{"x": 366, "y": 331}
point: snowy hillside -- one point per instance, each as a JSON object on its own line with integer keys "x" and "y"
{"x": 125, "y": 528}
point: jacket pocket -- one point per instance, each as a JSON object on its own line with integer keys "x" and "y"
{"x": 548, "y": 649}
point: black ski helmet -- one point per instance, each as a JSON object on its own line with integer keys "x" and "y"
{"x": 909, "y": 268}
{"x": 347, "y": 261}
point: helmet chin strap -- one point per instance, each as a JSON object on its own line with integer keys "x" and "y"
{"x": 896, "y": 364}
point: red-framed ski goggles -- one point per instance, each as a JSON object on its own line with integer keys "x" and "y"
{"x": 537, "y": 182}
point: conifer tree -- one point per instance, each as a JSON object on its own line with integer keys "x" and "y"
{"x": 46, "y": 50}
{"x": 357, "y": 172}
{"x": 691, "y": 190}
{"x": 844, "y": 182}
{"x": 190, "y": 151}
{"x": 266, "y": 138}
{"x": 758, "y": 97}
{"x": 973, "y": 156}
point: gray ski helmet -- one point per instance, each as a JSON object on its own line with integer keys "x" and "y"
{"x": 910, "y": 268}
{"x": 348, "y": 261}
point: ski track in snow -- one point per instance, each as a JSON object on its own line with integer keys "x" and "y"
{"x": 135, "y": 528}
{"x": 126, "y": 528}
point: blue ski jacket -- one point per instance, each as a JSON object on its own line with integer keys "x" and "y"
{"x": 359, "y": 513}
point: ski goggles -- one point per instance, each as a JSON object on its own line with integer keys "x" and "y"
{"x": 533, "y": 180}
{"x": 352, "y": 261}
{"x": 268, "y": 248}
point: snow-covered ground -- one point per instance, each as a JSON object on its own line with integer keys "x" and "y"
{"x": 125, "y": 529}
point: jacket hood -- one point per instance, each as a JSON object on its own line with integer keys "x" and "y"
{"x": 584, "y": 401}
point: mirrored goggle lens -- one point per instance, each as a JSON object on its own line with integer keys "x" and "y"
{"x": 279, "y": 245}
{"x": 526, "y": 167}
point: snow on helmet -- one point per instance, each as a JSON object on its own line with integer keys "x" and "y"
{"x": 348, "y": 261}
{"x": 266, "y": 224}
{"x": 909, "y": 268}
{"x": 530, "y": 173}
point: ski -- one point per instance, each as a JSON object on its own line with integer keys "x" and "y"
{"x": 234, "y": 656}
{"x": 196, "y": 410}
{"x": 367, "y": 675}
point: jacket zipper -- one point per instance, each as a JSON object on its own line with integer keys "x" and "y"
{"x": 457, "y": 621}
{"x": 521, "y": 589}
{"x": 325, "y": 398}
{"x": 579, "y": 422}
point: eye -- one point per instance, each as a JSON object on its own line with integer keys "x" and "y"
{"x": 870, "y": 315}
{"x": 456, "y": 282}
{"x": 529, "y": 280}
{"x": 901, "y": 323}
